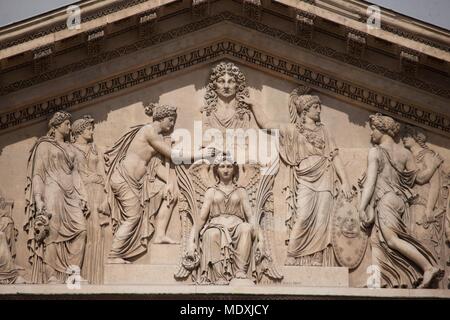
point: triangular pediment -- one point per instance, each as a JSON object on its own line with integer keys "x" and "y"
{"x": 343, "y": 125}
{"x": 267, "y": 36}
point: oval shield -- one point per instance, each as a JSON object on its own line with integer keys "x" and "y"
{"x": 348, "y": 240}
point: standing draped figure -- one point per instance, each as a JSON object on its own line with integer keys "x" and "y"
{"x": 56, "y": 206}
{"x": 9, "y": 271}
{"x": 428, "y": 209}
{"x": 91, "y": 168}
{"x": 385, "y": 200}
{"x": 315, "y": 170}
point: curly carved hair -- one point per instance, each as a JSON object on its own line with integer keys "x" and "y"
{"x": 218, "y": 71}
{"x": 384, "y": 124}
{"x": 159, "y": 112}
{"x": 419, "y": 136}
{"x": 78, "y": 126}
{"x": 56, "y": 120}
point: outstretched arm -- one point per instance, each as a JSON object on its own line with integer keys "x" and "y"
{"x": 371, "y": 179}
{"x": 342, "y": 174}
{"x": 263, "y": 121}
{"x": 367, "y": 217}
{"x": 38, "y": 191}
{"x": 38, "y": 176}
{"x": 424, "y": 175}
{"x": 432, "y": 163}
{"x": 158, "y": 143}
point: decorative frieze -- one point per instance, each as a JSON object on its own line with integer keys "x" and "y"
{"x": 154, "y": 38}
{"x": 297, "y": 72}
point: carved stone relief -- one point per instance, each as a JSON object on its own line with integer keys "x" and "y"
{"x": 56, "y": 205}
{"x": 140, "y": 186}
{"x": 228, "y": 239}
{"x": 428, "y": 209}
{"x": 219, "y": 209}
{"x": 91, "y": 168}
{"x": 94, "y": 211}
{"x": 315, "y": 169}
{"x": 9, "y": 271}
{"x": 386, "y": 203}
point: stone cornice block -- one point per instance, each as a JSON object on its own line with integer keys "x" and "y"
{"x": 252, "y": 9}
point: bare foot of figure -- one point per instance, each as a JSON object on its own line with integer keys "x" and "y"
{"x": 117, "y": 261}
{"x": 429, "y": 275}
{"x": 164, "y": 240}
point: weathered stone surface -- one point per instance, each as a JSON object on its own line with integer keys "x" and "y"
{"x": 108, "y": 129}
{"x": 316, "y": 276}
{"x": 139, "y": 274}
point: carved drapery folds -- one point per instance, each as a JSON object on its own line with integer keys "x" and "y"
{"x": 400, "y": 198}
{"x": 90, "y": 166}
{"x": 56, "y": 205}
{"x": 245, "y": 250}
{"x": 250, "y": 235}
{"x": 135, "y": 215}
{"x": 226, "y": 233}
{"x": 66, "y": 207}
{"x": 141, "y": 185}
{"x": 9, "y": 271}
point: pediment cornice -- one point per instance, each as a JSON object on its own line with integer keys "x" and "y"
{"x": 221, "y": 48}
{"x": 238, "y": 52}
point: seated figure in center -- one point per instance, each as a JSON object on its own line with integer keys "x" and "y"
{"x": 224, "y": 234}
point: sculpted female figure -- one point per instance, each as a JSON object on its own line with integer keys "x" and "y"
{"x": 315, "y": 169}
{"x": 9, "y": 271}
{"x": 427, "y": 212}
{"x": 224, "y": 234}
{"x": 91, "y": 170}
{"x": 391, "y": 172}
{"x": 56, "y": 205}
